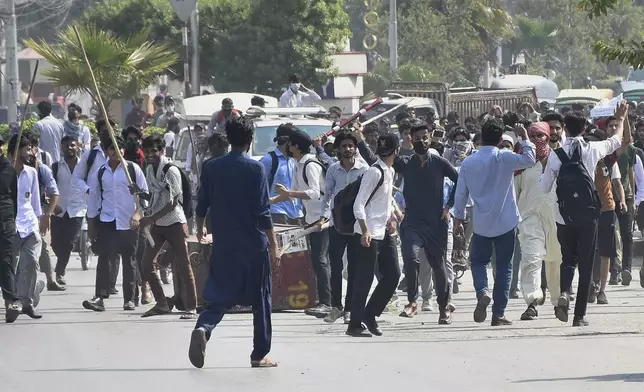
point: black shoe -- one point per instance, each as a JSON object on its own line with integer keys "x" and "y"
{"x": 95, "y": 304}
{"x": 627, "y": 277}
{"x": 480, "y": 313}
{"x": 360, "y": 332}
{"x": 514, "y": 294}
{"x": 197, "y": 350}
{"x": 60, "y": 279}
{"x": 561, "y": 311}
{"x": 592, "y": 294}
{"x": 500, "y": 321}
{"x": 12, "y": 313}
{"x": 601, "y": 298}
{"x": 372, "y": 326}
{"x": 455, "y": 289}
{"x": 580, "y": 322}
{"x": 530, "y": 314}
{"x": 445, "y": 317}
{"x": 31, "y": 312}
{"x": 54, "y": 286}
{"x": 542, "y": 301}
{"x": 614, "y": 280}
{"x": 113, "y": 291}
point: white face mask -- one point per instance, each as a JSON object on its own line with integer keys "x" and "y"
{"x": 295, "y": 86}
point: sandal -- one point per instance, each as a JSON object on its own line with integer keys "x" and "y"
{"x": 264, "y": 363}
{"x": 410, "y": 310}
{"x": 156, "y": 311}
{"x": 188, "y": 316}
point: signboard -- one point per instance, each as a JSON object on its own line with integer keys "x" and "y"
{"x": 184, "y": 8}
{"x": 606, "y": 108}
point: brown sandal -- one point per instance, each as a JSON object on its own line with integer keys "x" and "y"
{"x": 264, "y": 363}
{"x": 154, "y": 311}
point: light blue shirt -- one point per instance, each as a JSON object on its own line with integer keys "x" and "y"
{"x": 488, "y": 178}
{"x": 50, "y": 130}
{"x": 284, "y": 175}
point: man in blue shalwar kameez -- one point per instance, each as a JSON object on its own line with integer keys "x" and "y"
{"x": 235, "y": 189}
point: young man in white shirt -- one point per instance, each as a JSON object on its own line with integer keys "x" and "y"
{"x": 376, "y": 221}
{"x": 308, "y": 181}
{"x": 297, "y": 95}
{"x": 578, "y": 241}
{"x": 67, "y": 222}
{"x": 27, "y": 242}
{"x": 113, "y": 220}
{"x": 168, "y": 224}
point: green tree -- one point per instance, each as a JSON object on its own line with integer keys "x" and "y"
{"x": 535, "y": 38}
{"x": 122, "y": 66}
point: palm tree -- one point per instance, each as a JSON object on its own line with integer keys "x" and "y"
{"x": 534, "y": 38}
{"x": 122, "y": 67}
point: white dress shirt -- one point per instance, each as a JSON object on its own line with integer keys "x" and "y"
{"x": 51, "y": 132}
{"x": 591, "y": 153}
{"x": 639, "y": 180}
{"x": 380, "y": 208}
{"x": 28, "y": 202}
{"x": 315, "y": 177}
{"x": 71, "y": 201}
{"x": 168, "y": 138}
{"x": 116, "y": 202}
{"x": 302, "y": 99}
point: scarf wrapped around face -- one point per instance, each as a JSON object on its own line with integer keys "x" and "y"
{"x": 542, "y": 149}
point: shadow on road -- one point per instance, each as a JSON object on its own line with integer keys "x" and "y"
{"x": 625, "y": 377}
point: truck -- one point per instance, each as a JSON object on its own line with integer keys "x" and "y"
{"x": 467, "y": 101}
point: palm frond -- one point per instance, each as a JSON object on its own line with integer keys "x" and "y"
{"x": 596, "y": 8}
{"x": 626, "y": 52}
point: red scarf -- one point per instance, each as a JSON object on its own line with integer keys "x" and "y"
{"x": 541, "y": 147}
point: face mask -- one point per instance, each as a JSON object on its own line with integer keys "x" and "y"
{"x": 171, "y": 109}
{"x": 132, "y": 145}
{"x": 420, "y": 148}
{"x": 295, "y": 86}
{"x": 462, "y": 147}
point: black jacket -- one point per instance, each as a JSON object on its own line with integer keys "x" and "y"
{"x": 8, "y": 190}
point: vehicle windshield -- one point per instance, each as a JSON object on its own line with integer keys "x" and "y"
{"x": 421, "y": 111}
{"x": 637, "y": 75}
{"x": 264, "y": 136}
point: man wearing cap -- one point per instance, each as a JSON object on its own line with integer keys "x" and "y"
{"x": 307, "y": 186}
{"x": 537, "y": 229}
{"x": 297, "y": 95}
{"x": 113, "y": 221}
{"x": 376, "y": 220}
{"x": 220, "y": 117}
{"x": 280, "y": 169}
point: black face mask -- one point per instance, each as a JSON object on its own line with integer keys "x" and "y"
{"x": 420, "y": 148}
{"x": 132, "y": 146}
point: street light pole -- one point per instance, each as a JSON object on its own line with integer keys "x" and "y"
{"x": 13, "y": 82}
{"x": 393, "y": 37}
{"x": 186, "y": 65}
{"x": 194, "y": 33}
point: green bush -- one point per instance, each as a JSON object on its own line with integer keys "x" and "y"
{"x": 154, "y": 131}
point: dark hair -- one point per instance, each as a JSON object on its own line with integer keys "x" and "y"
{"x": 553, "y": 116}
{"x": 301, "y": 140}
{"x": 477, "y": 138}
{"x": 492, "y": 132}
{"x": 294, "y": 78}
{"x": 153, "y": 141}
{"x": 283, "y": 132}
{"x": 101, "y": 123}
{"x": 453, "y": 117}
{"x": 461, "y": 130}
{"x": 173, "y": 121}
{"x": 510, "y": 119}
{"x": 240, "y": 131}
{"x": 344, "y": 135}
{"x": 470, "y": 120}
{"x": 218, "y": 140}
{"x": 335, "y": 110}
{"x": 402, "y": 116}
{"x": 68, "y": 139}
{"x": 257, "y": 101}
{"x": 73, "y": 106}
{"x": 25, "y": 141}
{"x": 226, "y": 101}
{"x": 119, "y": 142}
{"x": 609, "y": 119}
{"x": 575, "y": 123}
{"x": 72, "y": 115}
{"x": 44, "y": 108}
{"x": 418, "y": 126}
{"x": 404, "y": 125}
{"x": 132, "y": 129}
{"x": 565, "y": 110}
{"x": 371, "y": 128}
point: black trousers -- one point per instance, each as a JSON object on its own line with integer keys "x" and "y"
{"x": 385, "y": 253}
{"x": 7, "y": 274}
{"x": 578, "y": 245}
{"x": 412, "y": 242}
{"x": 625, "y": 220}
{"x": 64, "y": 231}
{"x": 320, "y": 262}
{"x": 338, "y": 243}
{"x": 114, "y": 243}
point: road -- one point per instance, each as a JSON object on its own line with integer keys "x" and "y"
{"x": 72, "y": 349}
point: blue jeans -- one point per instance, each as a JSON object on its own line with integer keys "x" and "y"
{"x": 503, "y": 246}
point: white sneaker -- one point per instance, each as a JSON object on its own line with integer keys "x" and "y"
{"x": 427, "y": 306}
{"x": 333, "y": 315}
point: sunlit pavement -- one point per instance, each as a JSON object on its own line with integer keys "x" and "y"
{"x": 72, "y": 349}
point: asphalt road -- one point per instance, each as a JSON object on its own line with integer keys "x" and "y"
{"x": 72, "y": 349}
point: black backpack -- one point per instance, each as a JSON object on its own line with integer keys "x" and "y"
{"x": 577, "y": 195}
{"x": 343, "y": 217}
{"x": 322, "y": 165}
{"x": 186, "y": 190}
{"x": 274, "y": 166}
{"x": 90, "y": 162}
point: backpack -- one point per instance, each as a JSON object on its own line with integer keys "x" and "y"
{"x": 54, "y": 170}
{"x": 343, "y": 216}
{"x": 90, "y": 161}
{"x": 577, "y": 195}
{"x": 274, "y": 165}
{"x": 186, "y": 190}
{"x": 322, "y": 165}
{"x": 130, "y": 169}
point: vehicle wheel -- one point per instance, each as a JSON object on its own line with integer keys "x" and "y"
{"x": 85, "y": 251}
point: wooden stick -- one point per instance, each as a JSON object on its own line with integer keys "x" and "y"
{"x": 103, "y": 111}
{"x": 24, "y": 115}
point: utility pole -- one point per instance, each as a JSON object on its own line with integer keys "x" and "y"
{"x": 11, "y": 44}
{"x": 186, "y": 65}
{"x": 186, "y": 11}
{"x": 194, "y": 33}
{"x": 393, "y": 37}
